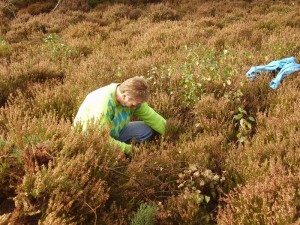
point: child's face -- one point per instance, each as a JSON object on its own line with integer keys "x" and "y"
{"x": 130, "y": 103}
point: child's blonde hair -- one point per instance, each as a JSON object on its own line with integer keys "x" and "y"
{"x": 136, "y": 88}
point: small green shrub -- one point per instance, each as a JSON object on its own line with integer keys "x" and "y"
{"x": 5, "y": 48}
{"x": 244, "y": 124}
{"x": 204, "y": 72}
{"x": 195, "y": 201}
{"x": 59, "y": 48}
{"x": 145, "y": 215}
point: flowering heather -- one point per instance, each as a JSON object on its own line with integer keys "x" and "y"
{"x": 230, "y": 154}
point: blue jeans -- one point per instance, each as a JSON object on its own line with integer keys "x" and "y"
{"x": 136, "y": 130}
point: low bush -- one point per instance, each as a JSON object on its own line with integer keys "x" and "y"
{"x": 230, "y": 154}
{"x": 163, "y": 12}
{"x": 270, "y": 201}
{"x": 5, "y": 49}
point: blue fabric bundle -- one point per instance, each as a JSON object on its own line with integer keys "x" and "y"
{"x": 286, "y": 67}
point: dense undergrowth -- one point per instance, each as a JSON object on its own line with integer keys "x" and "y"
{"x": 231, "y": 151}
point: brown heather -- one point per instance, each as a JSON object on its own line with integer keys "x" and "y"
{"x": 206, "y": 169}
{"x": 272, "y": 201}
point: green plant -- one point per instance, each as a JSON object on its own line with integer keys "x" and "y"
{"x": 58, "y": 47}
{"x": 190, "y": 83}
{"x": 5, "y": 48}
{"x": 244, "y": 123}
{"x": 234, "y": 96}
{"x": 190, "y": 88}
{"x": 204, "y": 72}
{"x": 145, "y": 215}
{"x": 203, "y": 182}
{"x": 198, "y": 192}
{"x": 4, "y": 169}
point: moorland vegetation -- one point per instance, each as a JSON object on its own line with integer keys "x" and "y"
{"x": 231, "y": 153}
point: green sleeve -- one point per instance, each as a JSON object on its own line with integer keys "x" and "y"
{"x": 151, "y": 118}
{"x": 126, "y": 148}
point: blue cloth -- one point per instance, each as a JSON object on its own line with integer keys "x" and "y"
{"x": 136, "y": 130}
{"x": 286, "y": 67}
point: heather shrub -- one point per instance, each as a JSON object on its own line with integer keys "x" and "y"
{"x": 73, "y": 5}
{"x": 135, "y": 14}
{"x": 270, "y": 201}
{"x": 208, "y": 150}
{"x": 163, "y": 12}
{"x": 150, "y": 175}
{"x": 37, "y": 8}
{"x": 212, "y": 115}
{"x": 257, "y": 97}
{"x": 83, "y": 30}
{"x": 116, "y": 13}
{"x": 163, "y": 82}
{"x": 23, "y": 27}
{"x": 10, "y": 170}
{"x": 4, "y": 22}
{"x": 275, "y": 130}
{"x": 115, "y": 214}
{"x": 28, "y": 26}
{"x": 141, "y": 1}
{"x": 176, "y": 177}
{"x": 16, "y": 150}
{"x": 195, "y": 201}
{"x": 174, "y": 128}
{"x": 57, "y": 100}
{"x": 93, "y": 3}
{"x": 268, "y": 25}
{"x": 293, "y": 21}
{"x": 22, "y": 3}
{"x": 275, "y": 139}
{"x": 59, "y": 48}
{"x": 8, "y": 9}
{"x": 73, "y": 180}
{"x": 230, "y": 151}
{"x": 23, "y": 78}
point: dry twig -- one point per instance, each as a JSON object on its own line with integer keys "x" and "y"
{"x": 57, "y": 4}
